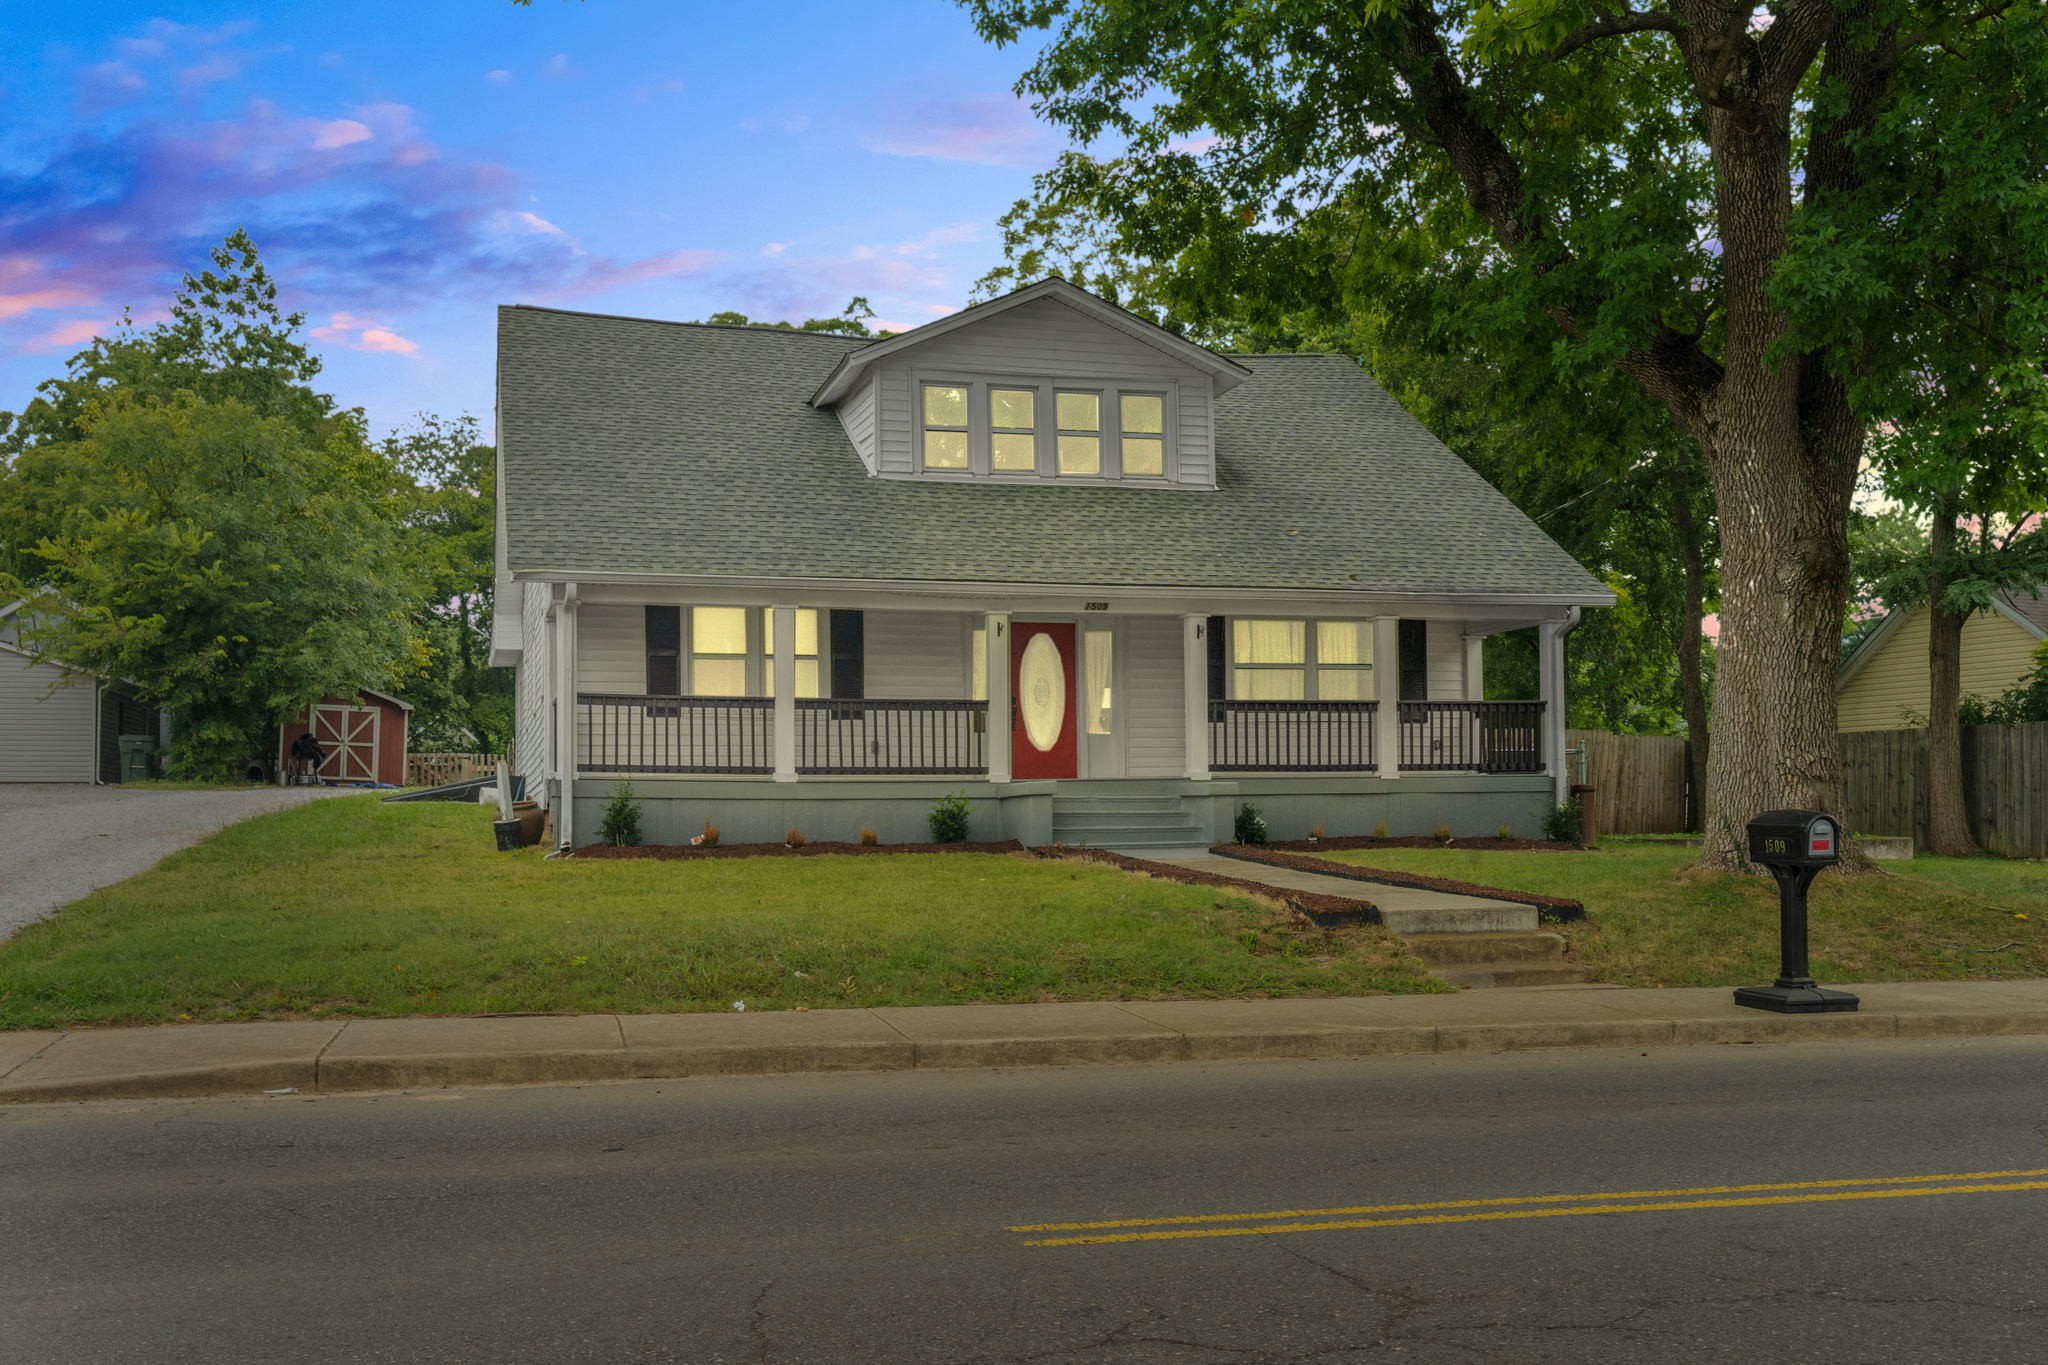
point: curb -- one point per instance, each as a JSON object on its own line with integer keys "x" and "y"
{"x": 322, "y": 1074}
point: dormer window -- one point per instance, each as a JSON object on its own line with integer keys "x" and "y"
{"x": 945, "y": 426}
{"x": 1013, "y": 430}
{"x": 1080, "y": 433}
{"x": 1144, "y": 435}
{"x": 1042, "y": 428}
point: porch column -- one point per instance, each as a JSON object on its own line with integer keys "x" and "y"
{"x": 1550, "y": 672}
{"x": 1475, "y": 668}
{"x": 782, "y": 655}
{"x": 995, "y": 640}
{"x": 565, "y": 716}
{"x": 1386, "y": 686}
{"x": 1194, "y": 667}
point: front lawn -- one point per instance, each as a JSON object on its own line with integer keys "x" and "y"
{"x": 1652, "y": 921}
{"x": 350, "y": 907}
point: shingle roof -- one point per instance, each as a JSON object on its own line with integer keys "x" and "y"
{"x": 640, "y": 447}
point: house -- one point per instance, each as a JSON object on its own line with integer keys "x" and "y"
{"x": 58, "y": 723}
{"x": 361, "y": 735}
{"x": 1109, "y": 584}
{"x": 1883, "y": 683}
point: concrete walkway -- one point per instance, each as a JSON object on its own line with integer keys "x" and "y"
{"x": 1405, "y": 910}
{"x": 387, "y": 1054}
{"x": 59, "y": 840}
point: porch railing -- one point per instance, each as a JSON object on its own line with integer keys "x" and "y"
{"x": 891, "y": 738}
{"x": 643, "y": 734}
{"x": 1472, "y": 736}
{"x": 1292, "y": 736}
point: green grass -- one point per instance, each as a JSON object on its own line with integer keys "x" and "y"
{"x": 1653, "y": 921}
{"x": 350, "y": 907}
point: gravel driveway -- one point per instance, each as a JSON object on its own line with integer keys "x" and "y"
{"x": 59, "y": 840}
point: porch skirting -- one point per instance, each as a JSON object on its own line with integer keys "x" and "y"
{"x": 758, "y": 810}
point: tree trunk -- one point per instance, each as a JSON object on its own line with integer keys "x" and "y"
{"x": 1948, "y": 821}
{"x": 1692, "y": 692}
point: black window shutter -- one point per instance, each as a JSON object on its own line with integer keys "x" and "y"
{"x": 664, "y": 651}
{"x": 1217, "y": 657}
{"x": 849, "y": 655}
{"x": 1415, "y": 661}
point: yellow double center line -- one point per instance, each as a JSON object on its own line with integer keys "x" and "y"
{"x": 1271, "y": 1224}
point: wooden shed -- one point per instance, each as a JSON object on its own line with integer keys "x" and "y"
{"x": 362, "y": 735}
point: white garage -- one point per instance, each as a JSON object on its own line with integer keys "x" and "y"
{"x": 46, "y": 735}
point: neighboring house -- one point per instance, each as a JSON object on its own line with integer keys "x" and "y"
{"x": 1109, "y": 584}
{"x": 58, "y": 723}
{"x": 362, "y": 737}
{"x": 1883, "y": 683}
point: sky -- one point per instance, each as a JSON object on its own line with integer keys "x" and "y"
{"x": 405, "y": 168}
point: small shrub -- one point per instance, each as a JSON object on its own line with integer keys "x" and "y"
{"x": 793, "y": 839}
{"x": 709, "y": 838}
{"x": 1506, "y": 831}
{"x": 1379, "y": 831}
{"x": 620, "y": 827}
{"x": 1442, "y": 834}
{"x": 1250, "y": 825}
{"x": 948, "y": 818}
{"x": 1315, "y": 834}
{"x": 869, "y": 837}
{"x": 1561, "y": 825}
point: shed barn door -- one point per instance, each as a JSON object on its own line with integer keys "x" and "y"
{"x": 348, "y": 734}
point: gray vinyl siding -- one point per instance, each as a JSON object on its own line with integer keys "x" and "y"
{"x": 611, "y": 648}
{"x": 917, "y": 655}
{"x": 1155, "y": 740}
{"x": 44, "y": 738}
{"x": 531, "y": 735}
{"x": 857, "y": 415}
{"x": 1446, "y": 661}
{"x": 1048, "y": 340}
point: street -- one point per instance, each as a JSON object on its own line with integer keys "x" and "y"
{"x": 1256, "y": 1211}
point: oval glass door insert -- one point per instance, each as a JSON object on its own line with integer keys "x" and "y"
{"x": 1042, "y": 692}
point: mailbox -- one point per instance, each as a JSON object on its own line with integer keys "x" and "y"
{"x": 1795, "y": 845}
{"x": 1795, "y": 838}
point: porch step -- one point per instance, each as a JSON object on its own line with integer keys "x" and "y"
{"x": 1141, "y": 821}
{"x": 1115, "y": 805}
{"x": 1480, "y": 961}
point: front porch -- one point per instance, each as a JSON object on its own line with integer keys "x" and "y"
{"x": 1084, "y": 725}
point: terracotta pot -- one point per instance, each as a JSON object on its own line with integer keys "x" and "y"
{"x": 532, "y": 820}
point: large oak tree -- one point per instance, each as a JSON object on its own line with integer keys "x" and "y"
{"x": 1703, "y": 195}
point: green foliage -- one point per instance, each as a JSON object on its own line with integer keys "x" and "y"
{"x": 182, "y": 511}
{"x": 852, "y": 322}
{"x": 1250, "y": 826}
{"x": 620, "y": 827}
{"x": 948, "y": 818}
{"x": 1561, "y": 822}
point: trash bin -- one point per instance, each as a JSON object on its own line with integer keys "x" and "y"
{"x": 138, "y": 757}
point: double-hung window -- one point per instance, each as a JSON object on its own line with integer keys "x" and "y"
{"x": 1301, "y": 660}
{"x": 1143, "y": 427}
{"x": 945, "y": 426}
{"x": 1013, "y": 430}
{"x": 1080, "y": 433}
{"x": 719, "y": 651}
{"x": 1023, "y": 426}
{"x": 806, "y": 652}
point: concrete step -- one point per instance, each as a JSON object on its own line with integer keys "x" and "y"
{"x": 1458, "y": 950}
{"x": 1483, "y": 975}
{"x": 1134, "y": 820}
{"x": 1493, "y": 917}
{"x": 1114, "y": 805}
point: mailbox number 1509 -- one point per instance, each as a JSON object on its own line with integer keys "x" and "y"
{"x": 1774, "y": 846}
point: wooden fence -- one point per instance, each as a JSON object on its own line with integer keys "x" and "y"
{"x": 433, "y": 770}
{"x": 1638, "y": 780}
{"x": 2005, "y": 785}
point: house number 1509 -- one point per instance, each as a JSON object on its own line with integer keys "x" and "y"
{"x": 1095, "y": 606}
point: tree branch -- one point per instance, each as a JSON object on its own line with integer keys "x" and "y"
{"x": 1616, "y": 25}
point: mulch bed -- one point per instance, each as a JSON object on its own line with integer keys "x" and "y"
{"x": 1324, "y": 912}
{"x": 1555, "y": 906}
{"x": 1486, "y": 845}
{"x": 821, "y": 849}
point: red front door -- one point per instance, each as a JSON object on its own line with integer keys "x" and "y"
{"x": 1042, "y": 710}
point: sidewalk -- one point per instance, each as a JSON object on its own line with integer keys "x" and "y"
{"x": 390, "y": 1054}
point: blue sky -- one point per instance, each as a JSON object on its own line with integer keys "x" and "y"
{"x": 406, "y": 167}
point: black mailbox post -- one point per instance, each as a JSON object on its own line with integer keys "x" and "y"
{"x": 1795, "y": 845}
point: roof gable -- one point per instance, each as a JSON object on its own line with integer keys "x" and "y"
{"x": 1223, "y": 372}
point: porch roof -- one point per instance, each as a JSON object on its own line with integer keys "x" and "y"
{"x": 637, "y": 447}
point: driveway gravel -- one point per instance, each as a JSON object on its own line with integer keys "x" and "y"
{"x": 61, "y": 840}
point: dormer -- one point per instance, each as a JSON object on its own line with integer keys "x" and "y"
{"x": 1049, "y": 384}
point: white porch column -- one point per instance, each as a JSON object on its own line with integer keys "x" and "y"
{"x": 1194, "y": 664}
{"x": 1475, "y": 668}
{"x": 565, "y": 716}
{"x": 1386, "y": 686}
{"x": 1550, "y": 672}
{"x": 995, "y": 644}
{"x": 783, "y": 660}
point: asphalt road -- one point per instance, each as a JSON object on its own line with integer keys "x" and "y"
{"x": 869, "y": 1217}
{"x": 59, "y": 840}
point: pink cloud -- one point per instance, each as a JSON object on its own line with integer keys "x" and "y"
{"x": 991, "y": 130}
{"x": 341, "y": 132}
{"x": 361, "y": 334}
{"x": 32, "y": 300}
{"x": 66, "y": 336}
{"x": 389, "y": 342}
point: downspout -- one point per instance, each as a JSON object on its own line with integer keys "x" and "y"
{"x": 1558, "y": 726}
